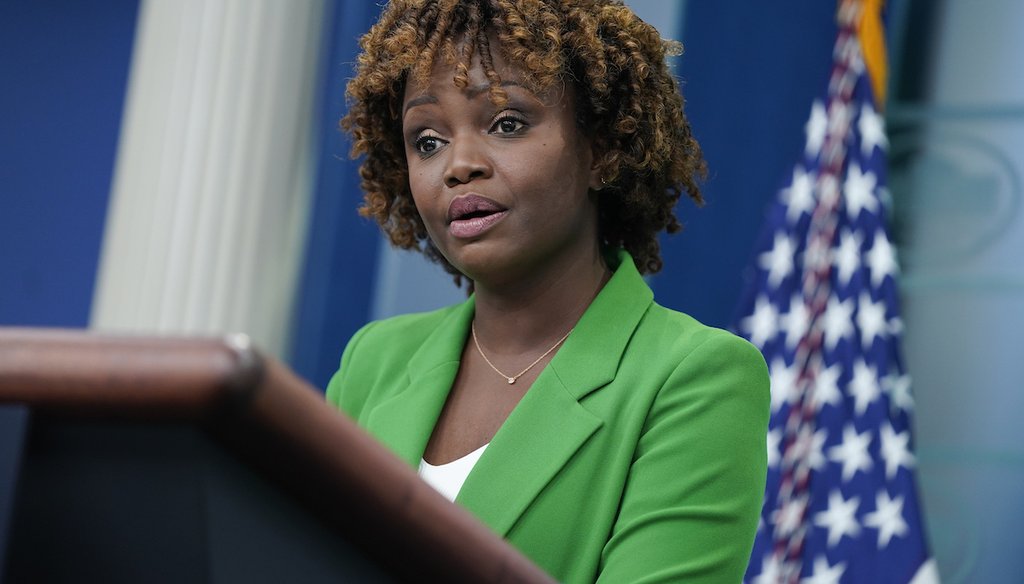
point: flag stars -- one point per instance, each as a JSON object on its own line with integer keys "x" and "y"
{"x": 881, "y": 259}
{"x": 895, "y": 325}
{"x": 789, "y": 517}
{"x": 779, "y": 261}
{"x": 863, "y": 386}
{"x": 898, "y": 388}
{"x": 817, "y": 257}
{"x": 887, "y": 518}
{"x": 872, "y": 130}
{"x": 840, "y": 518}
{"x": 782, "y": 382}
{"x": 824, "y": 573}
{"x": 828, "y": 187}
{"x": 815, "y": 129}
{"x": 808, "y": 447}
{"x": 771, "y": 570}
{"x": 796, "y": 321}
{"x": 799, "y": 197}
{"x": 816, "y": 450}
{"x": 871, "y": 320}
{"x": 846, "y": 257}
{"x": 839, "y": 443}
{"x": 763, "y": 324}
{"x": 859, "y": 191}
{"x": 895, "y": 450}
{"x": 837, "y": 321}
{"x": 852, "y": 453}
{"x": 823, "y": 311}
{"x": 774, "y": 440}
{"x": 839, "y": 116}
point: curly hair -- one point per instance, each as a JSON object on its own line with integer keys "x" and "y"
{"x": 627, "y": 101}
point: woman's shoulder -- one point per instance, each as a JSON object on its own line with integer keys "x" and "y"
{"x": 707, "y": 369}
{"x": 380, "y": 351}
{"x": 685, "y": 333}
{"x": 704, "y": 359}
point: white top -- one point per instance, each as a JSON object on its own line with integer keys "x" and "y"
{"x": 448, "y": 478}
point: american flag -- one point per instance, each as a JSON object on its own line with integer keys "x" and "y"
{"x": 841, "y": 503}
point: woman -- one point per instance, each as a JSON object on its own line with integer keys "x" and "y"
{"x": 537, "y": 148}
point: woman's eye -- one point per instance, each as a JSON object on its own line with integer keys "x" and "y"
{"x": 427, "y": 144}
{"x": 508, "y": 125}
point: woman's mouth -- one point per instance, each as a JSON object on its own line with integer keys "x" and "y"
{"x": 470, "y": 216}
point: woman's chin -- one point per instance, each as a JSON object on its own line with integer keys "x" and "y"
{"x": 472, "y": 256}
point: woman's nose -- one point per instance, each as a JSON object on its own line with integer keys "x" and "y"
{"x": 468, "y": 162}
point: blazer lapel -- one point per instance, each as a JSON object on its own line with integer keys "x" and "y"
{"x": 405, "y": 421}
{"x": 538, "y": 438}
{"x": 549, "y": 425}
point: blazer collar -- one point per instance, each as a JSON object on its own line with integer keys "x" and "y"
{"x": 591, "y": 354}
{"x": 405, "y": 421}
{"x": 546, "y": 428}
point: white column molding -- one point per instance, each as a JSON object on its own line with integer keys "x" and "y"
{"x": 213, "y": 182}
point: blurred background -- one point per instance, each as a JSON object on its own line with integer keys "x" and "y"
{"x": 174, "y": 166}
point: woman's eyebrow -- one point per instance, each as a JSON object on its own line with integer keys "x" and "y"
{"x": 418, "y": 100}
{"x": 471, "y": 93}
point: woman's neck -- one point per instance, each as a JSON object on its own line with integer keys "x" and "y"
{"x": 531, "y": 313}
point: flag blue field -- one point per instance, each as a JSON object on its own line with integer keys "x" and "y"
{"x": 841, "y": 503}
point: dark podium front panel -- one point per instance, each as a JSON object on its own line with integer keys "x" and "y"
{"x": 124, "y": 502}
{"x": 188, "y": 460}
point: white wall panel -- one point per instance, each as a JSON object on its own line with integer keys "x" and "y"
{"x": 214, "y": 172}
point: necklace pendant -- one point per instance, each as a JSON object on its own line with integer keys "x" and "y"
{"x": 511, "y": 380}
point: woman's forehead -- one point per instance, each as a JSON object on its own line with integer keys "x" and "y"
{"x": 474, "y": 79}
{"x": 478, "y": 86}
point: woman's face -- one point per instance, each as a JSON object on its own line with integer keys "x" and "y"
{"x": 503, "y": 191}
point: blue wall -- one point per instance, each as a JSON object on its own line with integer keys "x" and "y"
{"x": 63, "y": 69}
{"x": 749, "y": 78}
{"x": 336, "y": 288}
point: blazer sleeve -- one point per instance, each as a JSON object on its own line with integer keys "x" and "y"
{"x": 693, "y": 494}
{"x": 342, "y": 391}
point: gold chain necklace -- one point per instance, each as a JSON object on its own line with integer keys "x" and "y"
{"x": 512, "y": 378}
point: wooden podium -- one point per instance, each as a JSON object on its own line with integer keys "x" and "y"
{"x": 190, "y": 460}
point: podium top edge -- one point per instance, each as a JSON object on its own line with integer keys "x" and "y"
{"x": 87, "y": 372}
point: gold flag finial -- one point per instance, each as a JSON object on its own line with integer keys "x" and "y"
{"x": 871, "y": 33}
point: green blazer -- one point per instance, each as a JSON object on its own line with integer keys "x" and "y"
{"x": 638, "y": 455}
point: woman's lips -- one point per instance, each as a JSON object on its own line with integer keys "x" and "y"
{"x": 474, "y": 226}
{"x": 471, "y": 215}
